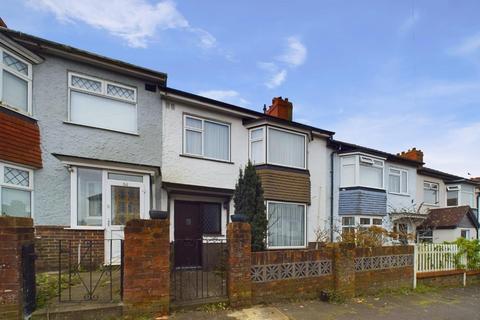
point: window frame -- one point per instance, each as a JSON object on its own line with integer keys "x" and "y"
{"x": 458, "y": 190}
{"x": 212, "y": 234}
{"x": 438, "y": 192}
{"x": 102, "y": 94}
{"x": 304, "y": 167}
{"x": 202, "y": 131}
{"x": 264, "y": 143}
{"x": 401, "y": 180}
{"x": 357, "y": 159}
{"x": 305, "y": 244}
{"x": 30, "y": 187}
{"x": 148, "y": 186}
{"x": 467, "y": 231}
{"x": 28, "y": 78}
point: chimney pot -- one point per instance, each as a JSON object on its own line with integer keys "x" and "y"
{"x": 412, "y": 154}
{"x": 281, "y": 108}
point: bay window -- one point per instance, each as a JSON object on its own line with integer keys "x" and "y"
{"x": 398, "y": 181}
{"x": 460, "y": 195}
{"x": 279, "y": 146}
{"x": 361, "y": 170}
{"x": 286, "y": 225}
{"x": 15, "y": 82}
{"x": 206, "y": 138}
{"x": 430, "y": 193}
{"x": 102, "y": 104}
{"x": 16, "y": 187}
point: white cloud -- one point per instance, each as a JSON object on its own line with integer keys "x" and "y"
{"x": 409, "y": 23}
{"x": 411, "y": 116}
{"x": 294, "y": 56}
{"x": 230, "y": 96}
{"x": 468, "y": 46}
{"x": 135, "y": 21}
{"x": 296, "y": 53}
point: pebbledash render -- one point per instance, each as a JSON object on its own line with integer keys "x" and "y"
{"x": 109, "y": 141}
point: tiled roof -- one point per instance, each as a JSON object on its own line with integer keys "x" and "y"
{"x": 19, "y": 139}
{"x": 448, "y": 218}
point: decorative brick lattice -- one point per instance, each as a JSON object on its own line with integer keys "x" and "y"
{"x": 295, "y": 270}
{"x": 120, "y": 92}
{"x": 383, "y": 262}
{"x": 86, "y": 84}
{"x": 16, "y": 176}
{"x": 14, "y": 63}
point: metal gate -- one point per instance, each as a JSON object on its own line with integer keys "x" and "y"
{"x": 28, "y": 273}
{"x": 199, "y": 272}
{"x": 89, "y": 271}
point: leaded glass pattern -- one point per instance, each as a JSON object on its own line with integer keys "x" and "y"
{"x": 16, "y": 177}
{"x": 15, "y": 64}
{"x": 87, "y": 84}
{"x": 120, "y": 92}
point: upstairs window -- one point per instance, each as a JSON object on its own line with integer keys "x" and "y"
{"x": 453, "y": 195}
{"x": 281, "y": 147}
{"x": 361, "y": 170}
{"x": 206, "y": 138}
{"x": 102, "y": 104}
{"x": 16, "y": 187}
{"x": 398, "y": 181}
{"x": 16, "y": 82}
{"x": 430, "y": 193}
{"x": 257, "y": 146}
{"x": 286, "y": 148}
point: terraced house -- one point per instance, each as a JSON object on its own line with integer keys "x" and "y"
{"x": 88, "y": 142}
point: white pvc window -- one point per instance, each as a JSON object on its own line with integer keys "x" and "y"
{"x": 206, "y": 138}
{"x": 286, "y": 148}
{"x": 361, "y": 170}
{"x": 102, "y": 104}
{"x": 16, "y": 191}
{"x": 398, "y": 181}
{"x": 286, "y": 225}
{"x": 15, "y": 82}
{"x": 430, "y": 193}
{"x": 257, "y": 145}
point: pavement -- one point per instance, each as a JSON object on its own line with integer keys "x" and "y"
{"x": 440, "y": 304}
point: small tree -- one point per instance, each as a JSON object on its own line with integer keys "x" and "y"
{"x": 249, "y": 201}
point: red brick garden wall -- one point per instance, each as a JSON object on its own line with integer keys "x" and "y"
{"x": 14, "y": 232}
{"x": 47, "y": 242}
{"x": 284, "y": 274}
{"x": 383, "y": 268}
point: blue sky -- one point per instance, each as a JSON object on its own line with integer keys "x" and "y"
{"x": 385, "y": 74}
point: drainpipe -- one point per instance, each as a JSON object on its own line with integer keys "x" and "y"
{"x": 332, "y": 189}
{"x": 478, "y": 212}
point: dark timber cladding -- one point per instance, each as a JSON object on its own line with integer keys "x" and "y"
{"x": 285, "y": 185}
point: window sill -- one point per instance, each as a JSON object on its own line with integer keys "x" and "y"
{"x": 363, "y": 188}
{"x": 86, "y": 228}
{"x": 400, "y": 194}
{"x": 100, "y": 128}
{"x": 202, "y": 158}
{"x": 18, "y": 112}
{"x": 286, "y": 248}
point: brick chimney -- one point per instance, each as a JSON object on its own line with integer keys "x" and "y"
{"x": 412, "y": 154}
{"x": 280, "y": 108}
{"x": 2, "y": 23}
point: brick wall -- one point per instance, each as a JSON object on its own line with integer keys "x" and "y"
{"x": 146, "y": 286}
{"x": 285, "y": 274}
{"x": 14, "y": 232}
{"x": 383, "y": 268}
{"x": 48, "y": 239}
{"x": 239, "y": 285}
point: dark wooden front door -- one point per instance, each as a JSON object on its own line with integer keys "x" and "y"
{"x": 188, "y": 234}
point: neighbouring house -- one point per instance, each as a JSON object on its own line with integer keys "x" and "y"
{"x": 372, "y": 188}
{"x": 206, "y": 143}
{"x": 100, "y": 125}
{"x": 449, "y": 224}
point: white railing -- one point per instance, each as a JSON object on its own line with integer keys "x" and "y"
{"x": 430, "y": 257}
